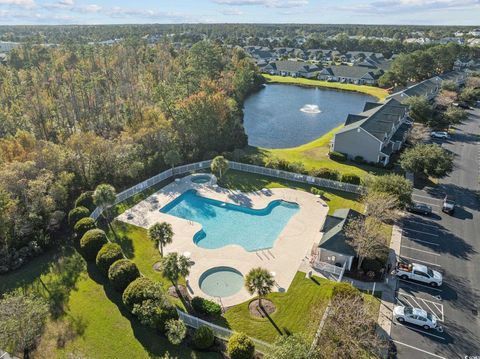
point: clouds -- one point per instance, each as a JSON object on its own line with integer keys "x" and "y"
{"x": 410, "y": 6}
{"x": 19, "y": 3}
{"x": 265, "y": 3}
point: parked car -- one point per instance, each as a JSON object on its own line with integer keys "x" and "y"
{"x": 440, "y": 134}
{"x": 448, "y": 204}
{"x": 420, "y": 273}
{"x": 420, "y": 208}
{"x": 415, "y": 316}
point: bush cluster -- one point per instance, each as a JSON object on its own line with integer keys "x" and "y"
{"x": 107, "y": 255}
{"x": 85, "y": 200}
{"x": 373, "y": 264}
{"x": 205, "y": 306}
{"x": 327, "y": 173}
{"x": 337, "y": 156}
{"x": 77, "y": 214}
{"x": 83, "y": 225}
{"x": 203, "y": 338}
{"x": 284, "y": 165}
{"x": 141, "y": 289}
{"x": 240, "y": 346}
{"x": 121, "y": 273}
{"x": 350, "y": 178}
{"x": 91, "y": 242}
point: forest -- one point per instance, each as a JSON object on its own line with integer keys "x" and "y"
{"x": 76, "y": 116}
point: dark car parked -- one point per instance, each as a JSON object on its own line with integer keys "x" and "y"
{"x": 420, "y": 208}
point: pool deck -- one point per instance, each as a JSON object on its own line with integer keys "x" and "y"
{"x": 289, "y": 252}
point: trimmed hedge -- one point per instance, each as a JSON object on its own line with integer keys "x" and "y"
{"x": 205, "y": 306}
{"x": 84, "y": 225}
{"x": 327, "y": 173}
{"x": 351, "y": 178}
{"x": 91, "y": 242}
{"x": 85, "y": 200}
{"x": 203, "y": 338}
{"x": 77, "y": 214}
{"x": 121, "y": 273}
{"x": 139, "y": 290}
{"x": 337, "y": 156}
{"x": 107, "y": 255}
{"x": 155, "y": 313}
{"x": 240, "y": 346}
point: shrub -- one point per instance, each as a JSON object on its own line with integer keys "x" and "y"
{"x": 327, "y": 173}
{"x": 154, "y": 313}
{"x": 107, "y": 255}
{"x": 337, "y": 156}
{"x": 351, "y": 178}
{"x": 77, "y": 214}
{"x": 359, "y": 159}
{"x": 141, "y": 289}
{"x": 372, "y": 264}
{"x": 176, "y": 331}
{"x": 318, "y": 192}
{"x": 344, "y": 289}
{"x": 85, "y": 200}
{"x": 84, "y": 225}
{"x": 240, "y": 346}
{"x": 91, "y": 242}
{"x": 205, "y": 306}
{"x": 121, "y": 273}
{"x": 203, "y": 337}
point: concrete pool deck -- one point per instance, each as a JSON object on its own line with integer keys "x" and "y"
{"x": 290, "y": 250}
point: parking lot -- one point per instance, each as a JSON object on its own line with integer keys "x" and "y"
{"x": 449, "y": 245}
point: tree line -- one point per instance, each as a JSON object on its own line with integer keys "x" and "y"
{"x": 76, "y": 116}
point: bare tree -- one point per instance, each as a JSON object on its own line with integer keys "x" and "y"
{"x": 367, "y": 237}
{"x": 445, "y": 98}
{"x": 350, "y": 330}
{"x": 381, "y": 206}
{"x": 418, "y": 134}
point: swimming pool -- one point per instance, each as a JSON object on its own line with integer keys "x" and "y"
{"x": 200, "y": 179}
{"x": 225, "y": 223}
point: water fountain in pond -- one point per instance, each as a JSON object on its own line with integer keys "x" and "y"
{"x": 310, "y": 109}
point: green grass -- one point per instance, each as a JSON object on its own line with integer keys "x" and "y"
{"x": 298, "y": 310}
{"x": 248, "y": 182}
{"x": 377, "y": 92}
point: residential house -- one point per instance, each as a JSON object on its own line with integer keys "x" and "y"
{"x": 375, "y": 134}
{"x": 350, "y": 74}
{"x": 474, "y": 32}
{"x": 334, "y": 247}
{"x": 291, "y": 68}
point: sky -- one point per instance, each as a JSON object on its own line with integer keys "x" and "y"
{"x": 422, "y": 12}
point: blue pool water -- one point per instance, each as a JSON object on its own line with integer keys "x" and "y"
{"x": 225, "y": 223}
{"x": 221, "y": 281}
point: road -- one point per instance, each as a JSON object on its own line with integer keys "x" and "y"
{"x": 451, "y": 245}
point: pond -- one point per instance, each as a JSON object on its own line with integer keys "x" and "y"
{"x": 282, "y": 116}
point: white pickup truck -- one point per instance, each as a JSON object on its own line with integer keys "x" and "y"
{"x": 420, "y": 273}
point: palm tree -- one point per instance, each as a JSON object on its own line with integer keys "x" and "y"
{"x": 259, "y": 281}
{"x": 219, "y": 165}
{"x": 104, "y": 196}
{"x": 161, "y": 234}
{"x": 175, "y": 266}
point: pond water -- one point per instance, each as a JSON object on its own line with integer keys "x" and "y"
{"x": 282, "y": 116}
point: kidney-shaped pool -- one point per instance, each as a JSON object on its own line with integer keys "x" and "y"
{"x": 225, "y": 223}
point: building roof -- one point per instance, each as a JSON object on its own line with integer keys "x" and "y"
{"x": 401, "y": 131}
{"x": 355, "y": 72}
{"x": 334, "y": 238}
{"x": 379, "y": 120}
{"x": 291, "y": 66}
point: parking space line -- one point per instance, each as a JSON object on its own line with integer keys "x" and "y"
{"x": 428, "y": 197}
{"x": 419, "y": 260}
{"x": 420, "y": 350}
{"x": 421, "y": 285}
{"x": 424, "y": 332}
{"x": 421, "y": 241}
{"x": 421, "y": 250}
{"x": 421, "y": 223}
{"x": 432, "y": 311}
{"x": 422, "y": 232}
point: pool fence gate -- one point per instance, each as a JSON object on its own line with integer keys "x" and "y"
{"x": 198, "y": 166}
{"x": 219, "y": 332}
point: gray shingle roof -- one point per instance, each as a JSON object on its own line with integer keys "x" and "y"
{"x": 379, "y": 120}
{"x": 291, "y": 66}
{"x": 355, "y": 72}
{"x": 334, "y": 238}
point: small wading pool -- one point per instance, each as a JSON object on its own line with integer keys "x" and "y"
{"x": 221, "y": 281}
{"x": 201, "y": 179}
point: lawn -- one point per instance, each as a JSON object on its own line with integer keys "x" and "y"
{"x": 377, "y": 92}
{"x": 87, "y": 316}
{"x": 299, "y": 310}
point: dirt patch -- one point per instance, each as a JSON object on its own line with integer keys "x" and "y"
{"x": 265, "y": 310}
{"x": 157, "y": 267}
{"x": 182, "y": 289}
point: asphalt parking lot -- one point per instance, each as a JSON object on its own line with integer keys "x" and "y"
{"x": 450, "y": 245}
